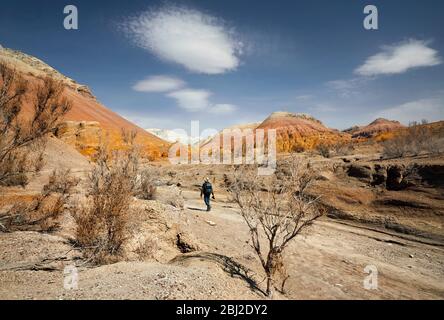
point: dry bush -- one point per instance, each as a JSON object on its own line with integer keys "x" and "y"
{"x": 146, "y": 184}
{"x": 61, "y": 181}
{"x": 43, "y": 212}
{"x": 342, "y": 148}
{"x": 323, "y": 149}
{"x": 22, "y": 138}
{"x": 170, "y": 195}
{"x": 177, "y": 201}
{"x": 102, "y": 219}
{"x": 128, "y": 137}
{"x": 275, "y": 210}
{"x": 146, "y": 248}
{"x": 415, "y": 140}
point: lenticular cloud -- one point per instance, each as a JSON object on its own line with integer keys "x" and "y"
{"x": 400, "y": 58}
{"x": 197, "y": 41}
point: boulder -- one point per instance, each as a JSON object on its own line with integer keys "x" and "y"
{"x": 379, "y": 176}
{"x": 395, "y": 178}
{"x": 432, "y": 174}
{"x": 361, "y": 172}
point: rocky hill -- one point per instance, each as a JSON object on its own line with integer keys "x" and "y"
{"x": 88, "y": 120}
{"x": 294, "y": 132}
{"x": 299, "y": 132}
{"x": 375, "y": 128}
{"x": 241, "y": 127}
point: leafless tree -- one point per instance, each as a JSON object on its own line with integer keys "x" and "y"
{"x": 276, "y": 209}
{"x": 22, "y": 136}
{"x": 418, "y": 138}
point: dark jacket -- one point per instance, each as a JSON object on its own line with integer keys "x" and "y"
{"x": 205, "y": 189}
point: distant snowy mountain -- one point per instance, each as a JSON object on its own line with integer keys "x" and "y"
{"x": 173, "y": 136}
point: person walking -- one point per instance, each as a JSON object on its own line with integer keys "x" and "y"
{"x": 207, "y": 191}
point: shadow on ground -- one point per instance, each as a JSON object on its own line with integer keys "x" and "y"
{"x": 230, "y": 266}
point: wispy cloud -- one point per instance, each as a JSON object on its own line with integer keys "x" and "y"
{"x": 191, "y": 99}
{"x": 399, "y": 58}
{"x": 430, "y": 109}
{"x": 347, "y": 88}
{"x": 159, "y": 84}
{"x": 223, "y": 108}
{"x": 303, "y": 97}
{"x": 323, "y": 108}
{"x": 393, "y": 59}
{"x": 197, "y": 41}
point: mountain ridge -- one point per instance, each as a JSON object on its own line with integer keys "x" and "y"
{"x": 86, "y": 109}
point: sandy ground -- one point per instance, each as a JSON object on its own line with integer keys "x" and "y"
{"x": 325, "y": 263}
{"x": 328, "y": 261}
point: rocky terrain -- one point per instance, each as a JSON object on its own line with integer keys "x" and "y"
{"x": 388, "y": 214}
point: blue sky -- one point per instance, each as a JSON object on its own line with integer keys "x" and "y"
{"x": 162, "y": 64}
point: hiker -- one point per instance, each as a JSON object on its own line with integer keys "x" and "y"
{"x": 207, "y": 191}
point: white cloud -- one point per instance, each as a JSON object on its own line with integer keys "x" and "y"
{"x": 191, "y": 99}
{"x": 158, "y": 84}
{"x": 347, "y": 88}
{"x": 222, "y": 108}
{"x": 399, "y": 58}
{"x": 304, "y": 97}
{"x": 323, "y": 108}
{"x": 429, "y": 109}
{"x": 199, "y": 42}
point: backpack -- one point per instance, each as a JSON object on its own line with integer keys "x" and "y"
{"x": 207, "y": 188}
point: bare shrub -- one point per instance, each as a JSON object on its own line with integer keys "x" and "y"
{"x": 323, "y": 149}
{"x": 22, "y": 138}
{"x": 177, "y": 201}
{"x": 128, "y": 137}
{"x": 396, "y": 147}
{"x": 170, "y": 195}
{"x": 146, "y": 184}
{"x": 43, "y": 212}
{"x": 342, "y": 148}
{"x": 61, "y": 181}
{"x": 102, "y": 219}
{"x": 146, "y": 248}
{"x": 275, "y": 210}
{"x": 415, "y": 140}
